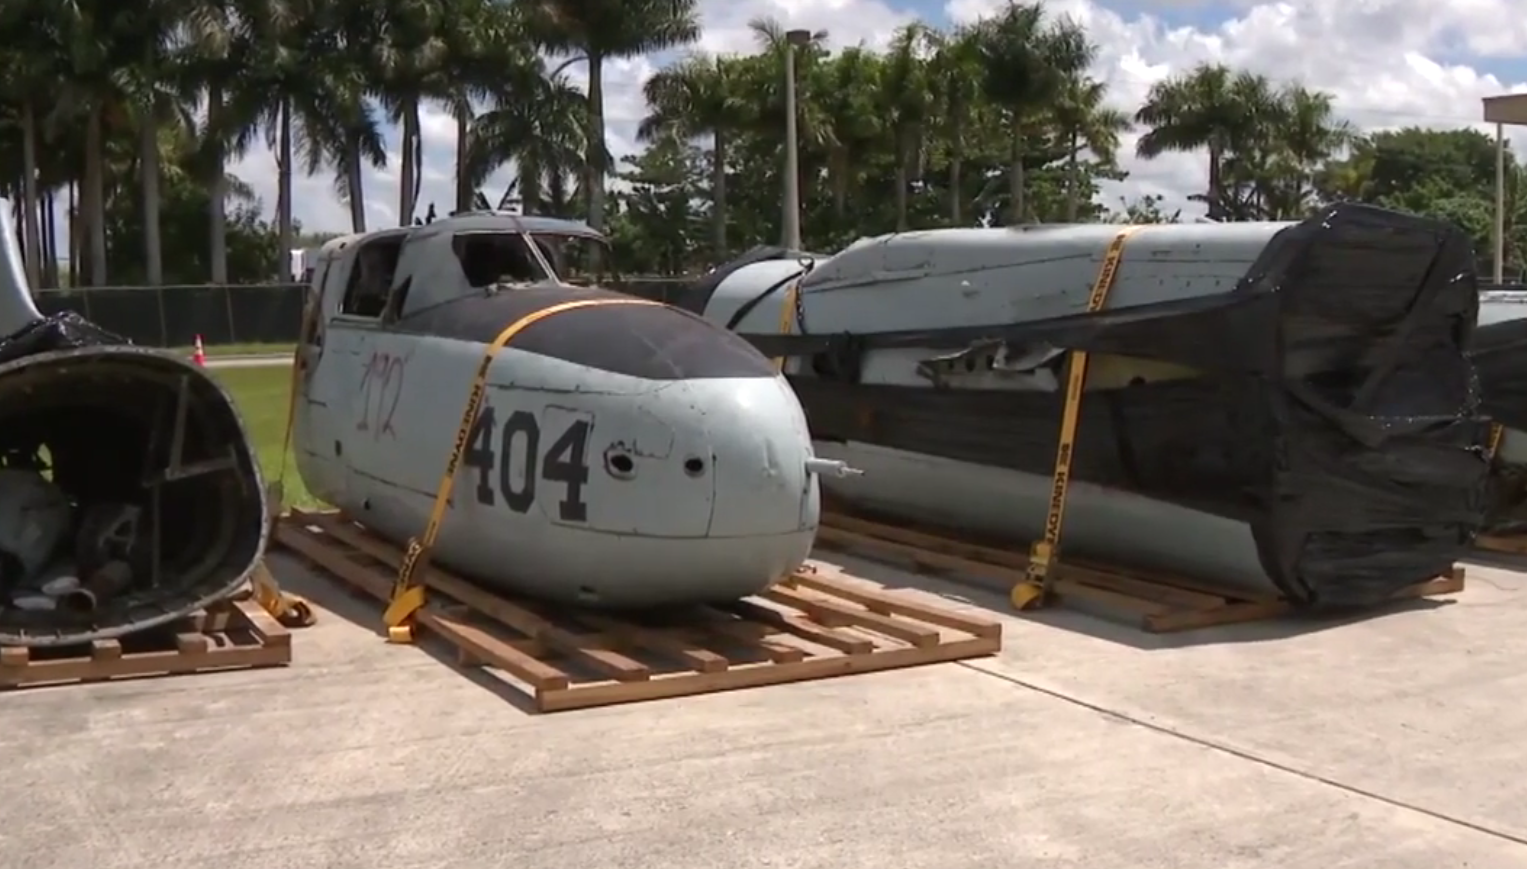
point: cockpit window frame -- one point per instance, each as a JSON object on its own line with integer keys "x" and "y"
{"x": 608, "y": 251}
{"x": 548, "y": 274}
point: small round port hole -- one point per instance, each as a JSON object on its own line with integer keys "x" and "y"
{"x": 694, "y": 466}
{"x": 620, "y": 465}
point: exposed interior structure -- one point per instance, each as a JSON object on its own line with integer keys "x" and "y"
{"x": 129, "y": 494}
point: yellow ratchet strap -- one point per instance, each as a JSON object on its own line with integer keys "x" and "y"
{"x": 786, "y": 326}
{"x": 288, "y": 609}
{"x": 1497, "y": 432}
{"x": 408, "y": 594}
{"x": 1038, "y": 578}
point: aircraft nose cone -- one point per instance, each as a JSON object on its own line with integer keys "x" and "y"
{"x": 760, "y": 448}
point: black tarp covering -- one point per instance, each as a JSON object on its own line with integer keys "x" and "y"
{"x": 1500, "y": 356}
{"x": 63, "y": 331}
{"x": 1356, "y": 482}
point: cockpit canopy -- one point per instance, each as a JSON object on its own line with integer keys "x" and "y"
{"x": 402, "y": 271}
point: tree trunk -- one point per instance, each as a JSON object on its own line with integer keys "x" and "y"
{"x": 94, "y": 196}
{"x": 903, "y": 158}
{"x": 355, "y": 184}
{"x": 840, "y": 170}
{"x": 418, "y": 166}
{"x": 148, "y": 166}
{"x": 956, "y": 171}
{"x": 1072, "y": 181}
{"x": 529, "y": 181}
{"x": 284, "y": 186}
{"x": 406, "y": 173}
{"x": 76, "y": 244}
{"x": 1016, "y": 184}
{"x": 217, "y": 187}
{"x": 35, "y": 255}
{"x": 49, "y": 240}
{"x": 1216, "y": 198}
{"x": 594, "y": 171}
{"x": 718, "y": 194}
{"x": 463, "y": 133}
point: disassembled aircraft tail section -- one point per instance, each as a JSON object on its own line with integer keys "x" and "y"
{"x": 129, "y": 492}
{"x": 1282, "y": 407}
{"x": 1500, "y": 355}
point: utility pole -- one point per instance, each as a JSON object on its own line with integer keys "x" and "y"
{"x": 790, "y": 222}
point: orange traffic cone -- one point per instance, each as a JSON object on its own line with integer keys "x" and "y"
{"x": 198, "y": 354}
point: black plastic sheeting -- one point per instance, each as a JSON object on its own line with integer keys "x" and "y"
{"x": 65, "y": 331}
{"x": 1500, "y": 356}
{"x": 1356, "y": 482}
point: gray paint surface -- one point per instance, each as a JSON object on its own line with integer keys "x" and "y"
{"x": 967, "y": 277}
{"x": 376, "y": 445}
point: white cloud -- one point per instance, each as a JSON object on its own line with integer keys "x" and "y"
{"x": 1389, "y": 62}
{"x": 1385, "y": 61}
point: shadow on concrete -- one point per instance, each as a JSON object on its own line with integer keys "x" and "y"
{"x": 1111, "y": 625}
{"x": 332, "y": 598}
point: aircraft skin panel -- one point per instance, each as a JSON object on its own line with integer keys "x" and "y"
{"x": 1008, "y": 504}
{"x": 952, "y": 278}
{"x": 1308, "y": 383}
{"x": 679, "y": 476}
{"x": 654, "y": 342}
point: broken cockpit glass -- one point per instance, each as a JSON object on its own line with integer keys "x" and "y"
{"x": 579, "y": 260}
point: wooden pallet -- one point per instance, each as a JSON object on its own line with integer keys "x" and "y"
{"x": 816, "y": 624}
{"x": 1160, "y": 604}
{"x": 235, "y": 634}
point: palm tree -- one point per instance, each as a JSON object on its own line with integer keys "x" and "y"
{"x": 956, "y": 73}
{"x": 486, "y": 47}
{"x": 1025, "y": 62}
{"x": 410, "y": 60}
{"x": 222, "y": 52}
{"x": 700, "y": 96}
{"x": 1206, "y": 108}
{"x": 906, "y": 98}
{"x": 151, "y": 89}
{"x": 600, "y": 30}
{"x": 23, "y": 75}
{"x": 1082, "y": 120}
{"x": 845, "y": 92}
{"x": 534, "y": 122}
{"x": 1310, "y": 135}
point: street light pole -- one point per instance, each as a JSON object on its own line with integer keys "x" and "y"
{"x": 1500, "y": 204}
{"x": 790, "y": 222}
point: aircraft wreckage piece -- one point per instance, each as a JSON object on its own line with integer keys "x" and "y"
{"x": 626, "y": 453}
{"x": 1271, "y": 406}
{"x": 1499, "y": 353}
{"x": 129, "y": 494}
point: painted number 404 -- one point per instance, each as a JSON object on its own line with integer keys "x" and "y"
{"x": 515, "y": 444}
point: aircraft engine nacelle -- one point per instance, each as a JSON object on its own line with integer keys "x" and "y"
{"x": 129, "y": 493}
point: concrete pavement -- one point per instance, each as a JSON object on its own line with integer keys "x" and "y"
{"x": 1390, "y": 742}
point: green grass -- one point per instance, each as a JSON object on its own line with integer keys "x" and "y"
{"x": 215, "y": 350}
{"x": 262, "y": 395}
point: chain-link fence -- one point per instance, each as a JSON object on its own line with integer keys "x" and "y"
{"x": 233, "y": 314}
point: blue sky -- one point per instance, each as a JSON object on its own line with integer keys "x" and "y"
{"x": 1397, "y": 63}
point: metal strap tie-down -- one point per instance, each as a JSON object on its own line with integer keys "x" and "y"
{"x": 408, "y": 592}
{"x": 1039, "y": 577}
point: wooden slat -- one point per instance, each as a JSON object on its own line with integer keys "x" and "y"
{"x": 491, "y": 605}
{"x": 742, "y": 645}
{"x": 182, "y": 648}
